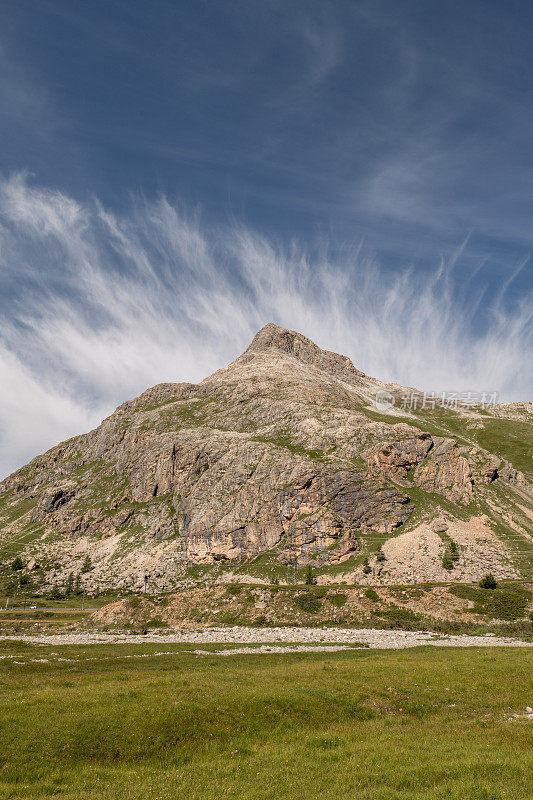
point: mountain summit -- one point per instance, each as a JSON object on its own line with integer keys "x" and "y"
{"x": 278, "y": 459}
{"x": 280, "y": 340}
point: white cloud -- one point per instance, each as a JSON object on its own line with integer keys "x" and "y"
{"x": 97, "y": 307}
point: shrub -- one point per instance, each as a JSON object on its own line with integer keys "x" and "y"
{"x": 372, "y": 595}
{"x": 488, "y": 582}
{"x": 310, "y": 579}
{"x": 233, "y": 590}
{"x": 338, "y": 599}
{"x": 87, "y": 564}
{"x": 398, "y": 617}
{"x": 380, "y": 556}
{"x": 17, "y": 564}
{"x": 308, "y": 603}
{"x": 447, "y": 562}
{"x": 506, "y": 604}
{"x": 156, "y": 622}
{"x": 451, "y": 556}
{"x": 69, "y": 585}
{"x": 366, "y": 567}
{"x": 465, "y": 592}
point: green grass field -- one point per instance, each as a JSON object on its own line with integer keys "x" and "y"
{"x": 120, "y": 721}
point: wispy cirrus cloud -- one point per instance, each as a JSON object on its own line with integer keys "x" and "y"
{"x": 96, "y": 307}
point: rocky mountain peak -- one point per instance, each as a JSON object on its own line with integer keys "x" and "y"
{"x": 280, "y": 455}
{"x": 273, "y": 338}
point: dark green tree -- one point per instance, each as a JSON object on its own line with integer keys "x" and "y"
{"x": 310, "y": 579}
{"x": 488, "y": 582}
{"x": 69, "y": 584}
{"x": 451, "y": 556}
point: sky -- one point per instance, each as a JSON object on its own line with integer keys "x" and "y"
{"x": 174, "y": 175}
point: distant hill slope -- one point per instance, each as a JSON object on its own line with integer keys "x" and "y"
{"x": 279, "y": 460}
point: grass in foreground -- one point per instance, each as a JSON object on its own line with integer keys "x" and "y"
{"x": 120, "y": 721}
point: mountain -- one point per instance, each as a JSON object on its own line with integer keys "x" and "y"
{"x": 279, "y": 460}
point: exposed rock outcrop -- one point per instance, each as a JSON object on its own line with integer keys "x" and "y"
{"x": 446, "y": 472}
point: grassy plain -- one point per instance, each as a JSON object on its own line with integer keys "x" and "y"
{"x": 122, "y": 721}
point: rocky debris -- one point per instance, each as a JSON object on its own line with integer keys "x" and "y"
{"x": 419, "y": 553}
{"x": 373, "y": 638}
{"x": 439, "y": 526}
{"x": 276, "y": 453}
{"x": 527, "y": 714}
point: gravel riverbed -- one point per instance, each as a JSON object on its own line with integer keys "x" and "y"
{"x": 262, "y": 637}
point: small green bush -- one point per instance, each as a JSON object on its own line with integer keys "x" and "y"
{"x": 156, "y": 622}
{"x": 309, "y": 603}
{"x": 17, "y": 564}
{"x": 372, "y": 595}
{"x": 398, "y": 617}
{"x": 466, "y": 592}
{"x": 451, "y": 556}
{"x": 310, "y": 579}
{"x": 69, "y": 586}
{"x": 447, "y": 561}
{"x": 338, "y": 599}
{"x": 488, "y": 582}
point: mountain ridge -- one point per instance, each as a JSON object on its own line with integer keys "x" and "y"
{"x": 281, "y": 457}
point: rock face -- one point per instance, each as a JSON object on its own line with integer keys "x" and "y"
{"x": 279, "y": 454}
{"x": 447, "y": 472}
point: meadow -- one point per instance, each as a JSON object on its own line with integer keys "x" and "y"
{"x": 122, "y": 721}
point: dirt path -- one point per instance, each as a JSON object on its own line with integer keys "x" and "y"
{"x": 261, "y": 637}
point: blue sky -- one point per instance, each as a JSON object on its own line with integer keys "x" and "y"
{"x": 212, "y": 166}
